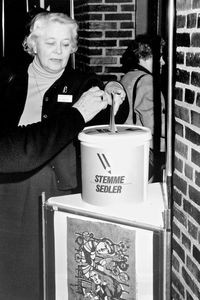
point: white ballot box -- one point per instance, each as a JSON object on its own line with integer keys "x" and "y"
{"x": 111, "y": 252}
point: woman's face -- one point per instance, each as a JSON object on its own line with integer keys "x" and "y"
{"x": 53, "y": 47}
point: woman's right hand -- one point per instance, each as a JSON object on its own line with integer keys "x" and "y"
{"x": 91, "y": 103}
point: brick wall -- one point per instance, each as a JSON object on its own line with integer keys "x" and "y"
{"x": 186, "y": 178}
{"x": 106, "y": 26}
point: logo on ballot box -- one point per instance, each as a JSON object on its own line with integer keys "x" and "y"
{"x": 108, "y": 183}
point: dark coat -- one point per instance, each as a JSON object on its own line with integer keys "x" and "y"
{"x": 20, "y": 235}
{"x": 25, "y": 148}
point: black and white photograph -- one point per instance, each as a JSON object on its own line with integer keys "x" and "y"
{"x": 99, "y": 149}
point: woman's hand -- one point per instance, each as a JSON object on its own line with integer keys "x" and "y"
{"x": 91, "y": 103}
{"x": 116, "y": 90}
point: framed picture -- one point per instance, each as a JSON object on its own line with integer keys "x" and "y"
{"x": 87, "y": 257}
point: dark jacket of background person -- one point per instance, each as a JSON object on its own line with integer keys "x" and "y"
{"x": 21, "y": 269}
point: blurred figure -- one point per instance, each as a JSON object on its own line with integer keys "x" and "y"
{"x": 142, "y": 63}
{"x": 32, "y": 93}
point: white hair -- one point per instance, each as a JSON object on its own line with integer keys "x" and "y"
{"x": 38, "y": 24}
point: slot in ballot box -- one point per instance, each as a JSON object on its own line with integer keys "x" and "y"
{"x": 97, "y": 252}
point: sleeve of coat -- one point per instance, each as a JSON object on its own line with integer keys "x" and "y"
{"x": 28, "y": 147}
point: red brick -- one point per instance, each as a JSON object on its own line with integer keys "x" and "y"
{"x": 118, "y": 34}
{"x": 195, "y": 157}
{"x": 180, "y": 57}
{"x": 195, "y": 118}
{"x": 178, "y": 164}
{"x": 192, "y": 230}
{"x": 182, "y": 76}
{"x": 175, "y": 263}
{"x": 101, "y": 8}
{"x": 174, "y": 293}
{"x": 192, "y": 136}
{"x": 197, "y": 178}
{"x": 190, "y": 282}
{"x": 194, "y": 195}
{"x": 130, "y": 7}
{"x": 177, "y": 197}
{"x": 198, "y": 99}
{"x": 183, "y": 39}
{"x": 183, "y": 4}
{"x": 176, "y": 230}
{"x": 180, "y": 21}
{"x": 127, "y": 25}
{"x": 118, "y": 17}
{"x": 186, "y": 242}
{"x": 179, "y": 215}
{"x": 189, "y": 96}
{"x": 178, "y": 249}
{"x": 181, "y": 148}
{"x": 182, "y": 113}
{"x": 191, "y": 210}
{"x": 180, "y": 183}
{"x": 188, "y": 171}
{"x": 191, "y": 20}
{"x": 179, "y": 93}
{"x": 196, "y": 4}
{"x": 179, "y": 129}
{"x": 196, "y": 254}
{"x": 195, "y": 39}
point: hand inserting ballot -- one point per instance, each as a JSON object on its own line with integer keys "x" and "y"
{"x": 116, "y": 90}
{"x": 91, "y": 103}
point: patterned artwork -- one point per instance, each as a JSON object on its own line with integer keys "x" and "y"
{"x": 100, "y": 260}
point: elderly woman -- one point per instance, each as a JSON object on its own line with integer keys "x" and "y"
{"x": 32, "y": 93}
{"x": 147, "y": 105}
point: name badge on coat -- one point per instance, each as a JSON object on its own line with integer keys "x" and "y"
{"x": 64, "y": 98}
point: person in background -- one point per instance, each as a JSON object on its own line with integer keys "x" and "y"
{"x": 32, "y": 93}
{"x": 142, "y": 63}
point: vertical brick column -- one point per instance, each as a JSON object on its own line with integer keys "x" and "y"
{"x": 106, "y": 26}
{"x": 186, "y": 178}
